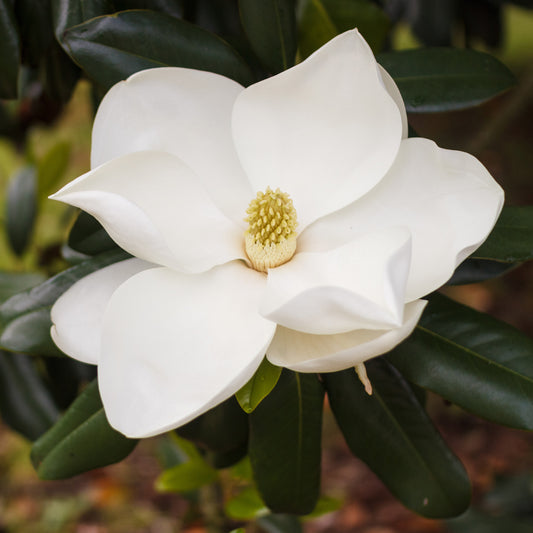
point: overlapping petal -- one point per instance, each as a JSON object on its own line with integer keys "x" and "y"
{"x": 358, "y": 285}
{"x": 302, "y": 352}
{"x": 152, "y": 205}
{"x": 183, "y": 112}
{"x": 446, "y": 198}
{"x": 394, "y": 92}
{"x": 77, "y": 314}
{"x": 327, "y": 123}
{"x": 175, "y": 345}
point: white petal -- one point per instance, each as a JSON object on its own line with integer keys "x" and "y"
{"x": 152, "y": 205}
{"x": 446, "y": 198}
{"x": 77, "y": 314}
{"x": 324, "y": 131}
{"x": 359, "y": 285}
{"x": 183, "y": 112}
{"x": 329, "y": 353}
{"x": 395, "y": 94}
{"x": 176, "y": 345}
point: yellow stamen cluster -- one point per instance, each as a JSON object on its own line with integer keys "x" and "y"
{"x": 270, "y": 239}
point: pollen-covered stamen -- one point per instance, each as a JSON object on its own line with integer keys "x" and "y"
{"x": 270, "y": 239}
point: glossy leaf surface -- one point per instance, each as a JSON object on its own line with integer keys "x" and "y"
{"x": 259, "y": 387}
{"x": 25, "y": 402}
{"x": 80, "y": 441}
{"x": 284, "y": 447}
{"x": 110, "y": 48}
{"x": 392, "y": 434}
{"x": 88, "y": 236}
{"x": 472, "y": 360}
{"x": 446, "y": 79}
{"x": 511, "y": 240}
{"x": 270, "y": 26}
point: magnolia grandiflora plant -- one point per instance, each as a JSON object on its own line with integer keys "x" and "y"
{"x": 293, "y": 218}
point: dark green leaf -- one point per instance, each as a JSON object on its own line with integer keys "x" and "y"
{"x": 271, "y": 29}
{"x": 279, "y": 523}
{"x": 472, "y": 360}
{"x": 511, "y": 240}
{"x": 259, "y": 386}
{"x": 21, "y": 209}
{"x": 221, "y": 429}
{"x": 68, "y": 13}
{"x": 80, "y": 441}
{"x": 321, "y": 20}
{"x": 445, "y": 79}
{"x": 284, "y": 448}
{"x": 25, "y": 317}
{"x": 110, "y": 48}
{"x": 432, "y": 21}
{"x": 13, "y": 282}
{"x": 9, "y": 51}
{"x": 25, "y": 403}
{"x": 51, "y": 168}
{"x": 229, "y": 458}
{"x": 392, "y": 434}
{"x": 88, "y": 237}
{"x": 476, "y": 270}
{"x": 170, "y": 7}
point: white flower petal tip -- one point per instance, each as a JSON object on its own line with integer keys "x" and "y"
{"x": 152, "y": 205}
{"x": 176, "y": 345}
{"x": 358, "y": 285}
{"x": 77, "y": 314}
{"x": 302, "y": 352}
{"x": 328, "y": 121}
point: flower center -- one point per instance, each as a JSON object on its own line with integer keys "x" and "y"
{"x": 270, "y": 239}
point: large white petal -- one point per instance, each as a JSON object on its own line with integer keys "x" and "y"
{"x": 359, "y": 285}
{"x": 77, "y": 314}
{"x": 181, "y": 111}
{"x": 329, "y": 353}
{"x": 447, "y": 199}
{"x": 152, "y": 205}
{"x": 395, "y": 94}
{"x": 324, "y": 131}
{"x": 176, "y": 345}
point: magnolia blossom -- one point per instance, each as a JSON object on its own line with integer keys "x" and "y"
{"x": 291, "y": 219}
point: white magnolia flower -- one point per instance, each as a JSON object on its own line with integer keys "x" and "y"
{"x": 348, "y": 224}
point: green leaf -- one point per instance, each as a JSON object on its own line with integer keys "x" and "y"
{"x": 270, "y": 26}
{"x": 186, "y": 477}
{"x": 259, "y": 387}
{"x": 392, "y": 434}
{"x": 51, "y": 168}
{"x": 279, "y": 523}
{"x": 321, "y": 20}
{"x": 284, "y": 447}
{"x": 69, "y": 13}
{"x": 9, "y": 51}
{"x": 221, "y": 429}
{"x": 246, "y": 505}
{"x": 13, "y": 282}
{"x": 81, "y": 440}
{"x": 88, "y": 236}
{"x": 111, "y": 48}
{"x": 511, "y": 240}
{"x": 446, "y": 79}
{"x": 471, "y": 359}
{"x": 25, "y": 402}
{"x": 476, "y": 270}
{"x": 25, "y": 317}
{"x": 21, "y": 209}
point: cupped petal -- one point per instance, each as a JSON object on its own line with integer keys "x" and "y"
{"x": 446, "y": 198}
{"x": 152, "y": 206}
{"x": 394, "y": 92}
{"x": 302, "y": 352}
{"x": 77, "y": 313}
{"x": 176, "y": 345}
{"x": 181, "y": 111}
{"x": 358, "y": 285}
{"x": 325, "y": 131}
